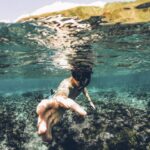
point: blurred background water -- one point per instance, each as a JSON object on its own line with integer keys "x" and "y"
{"x": 120, "y": 62}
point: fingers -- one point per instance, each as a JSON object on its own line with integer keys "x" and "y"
{"x": 51, "y": 121}
{"x": 42, "y": 121}
{"x": 42, "y": 128}
{"x": 48, "y": 134}
{"x": 54, "y": 119}
{"x": 70, "y": 104}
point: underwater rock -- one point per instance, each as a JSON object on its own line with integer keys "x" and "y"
{"x": 100, "y": 130}
{"x": 111, "y": 126}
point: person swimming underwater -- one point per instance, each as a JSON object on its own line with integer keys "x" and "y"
{"x": 51, "y": 110}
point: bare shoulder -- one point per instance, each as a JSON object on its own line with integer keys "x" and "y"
{"x": 66, "y": 83}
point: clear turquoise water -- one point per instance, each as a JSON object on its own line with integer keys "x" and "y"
{"x": 121, "y": 61}
{"x": 29, "y": 68}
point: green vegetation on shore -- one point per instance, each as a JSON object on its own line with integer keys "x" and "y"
{"x": 125, "y": 12}
{"x": 82, "y": 12}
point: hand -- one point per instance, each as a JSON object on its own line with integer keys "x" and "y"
{"x": 50, "y": 112}
{"x": 93, "y": 106}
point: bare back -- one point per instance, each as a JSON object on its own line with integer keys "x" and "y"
{"x": 67, "y": 88}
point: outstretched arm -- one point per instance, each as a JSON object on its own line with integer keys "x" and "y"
{"x": 50, "y": 112}
{"x": 86, "y": 94}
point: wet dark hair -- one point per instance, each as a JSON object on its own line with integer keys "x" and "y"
{"x": 83, "y": 76}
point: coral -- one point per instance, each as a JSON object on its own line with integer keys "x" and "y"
{"x": 110, "y": 126}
